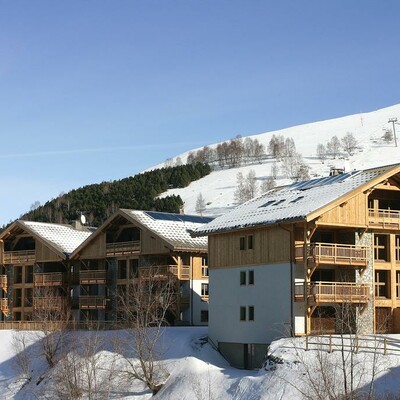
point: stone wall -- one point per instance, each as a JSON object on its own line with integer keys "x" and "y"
{"x": 365, "y": 315}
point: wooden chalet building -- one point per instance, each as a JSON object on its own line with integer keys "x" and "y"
{"x": 35, "y": 267}
{"x": 321, "y": 256}
{"x": 133, "y": 245}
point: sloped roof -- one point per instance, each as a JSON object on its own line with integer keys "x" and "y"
{"x": 63, "y": 238}
{"x": 172, "y": 228}
{"x": 293, "y": 202}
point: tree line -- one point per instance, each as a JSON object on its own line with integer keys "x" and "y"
{"x": 98, "y": 201}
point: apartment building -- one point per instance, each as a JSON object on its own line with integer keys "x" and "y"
{"x": 35, "y": 264}
{"x": 321, "y": 256}
{"x": 133, "y": 245}
{"x": 86, "y": 272}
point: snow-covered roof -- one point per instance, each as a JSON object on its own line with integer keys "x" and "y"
{"x": 173, "y": 228}
{"x": 63, "y": 238}
{"x": 292, "y": 202}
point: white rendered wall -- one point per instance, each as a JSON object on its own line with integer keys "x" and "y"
{"x": 299, "y": 307}
{"x": 270, "y": 295}
{"x": 198, "y": 305}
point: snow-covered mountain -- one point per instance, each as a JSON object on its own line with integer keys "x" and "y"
{"x": 368, "y": 128}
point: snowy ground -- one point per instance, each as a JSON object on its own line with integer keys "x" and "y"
{"x": 197, "y": 371}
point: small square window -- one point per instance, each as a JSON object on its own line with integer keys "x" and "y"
{"x": 242, "y": 277}
{"x": 243, "y": 313}
{"x": 251, "y": 313}
{"x": 251, "y": 277}
{"x": 242, "y": 243}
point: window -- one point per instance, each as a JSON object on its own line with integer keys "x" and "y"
{"x": 251, "y": 313}
{"x": 29, "y": 273}
{"x": 204, "y": 261}
{"x": 250, "y": 242}
{"x": 133, "y": 268}
{"x": 121, "y": 269}
{"x": 17, "y": 297}
{"x": 381, "y": 247}
{"x": 246, "y": 242}
{"x": 204, "y": 290}
{"x": 397, "y": 248}
{"x": 251, "y": 277}
{"x": 382, "y": 284}
{"x": 204, "y": 270}
{"x": 17, "y": 274}
{"x": 242, "y": 277}
{"x": 204, "y": 315}
{"x": 243, "y": 313}
{"x": 398, "y": 284}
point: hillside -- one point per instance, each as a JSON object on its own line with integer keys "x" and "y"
{"x": 167, "y": 186}
{"x": 368, "y": 128}
{"x": 98, "y": 201}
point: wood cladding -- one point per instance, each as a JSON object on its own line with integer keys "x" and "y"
{"x": 270, "y": 245}
{"x": 351, "y": 212}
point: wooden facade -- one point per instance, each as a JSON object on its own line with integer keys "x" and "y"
{"x": 268, "y": 246}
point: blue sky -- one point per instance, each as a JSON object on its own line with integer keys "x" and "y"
{"x": 94, "y": 90}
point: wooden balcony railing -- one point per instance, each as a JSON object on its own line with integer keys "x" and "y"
{"x": 92, "y": 302}
{"x": 48, "y": 279}
{"x": 334, "y": 254}
{"x": 4, "y": 305}
{"x": 338, "y": 292}
{"x": 122, "y": 248}
{"x": 3, "y": 282}
{"x": 384, "y": 218}
{"x": 57, "y": 303}
{"x": 19, "y": 257}
{"x": 163, "y": 271}
{"x": 96, "y": 277}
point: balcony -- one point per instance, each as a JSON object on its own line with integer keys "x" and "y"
{"x": 53, "y": 303}
{"x": 163, "y": 271}
{"x": 338, "y": 292}
{"x": 92, "y": 302}
{"x": 19, "y": 257}
{"x": 3, "y": 282}
{"x": 4, "y": 306}
{"x": 94, "y": 277}
{"x": 48, "y": 279}
{"x": 122, "y": 248}
{"x": 385, "y": 219}
{"x": 334, "y": 254}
